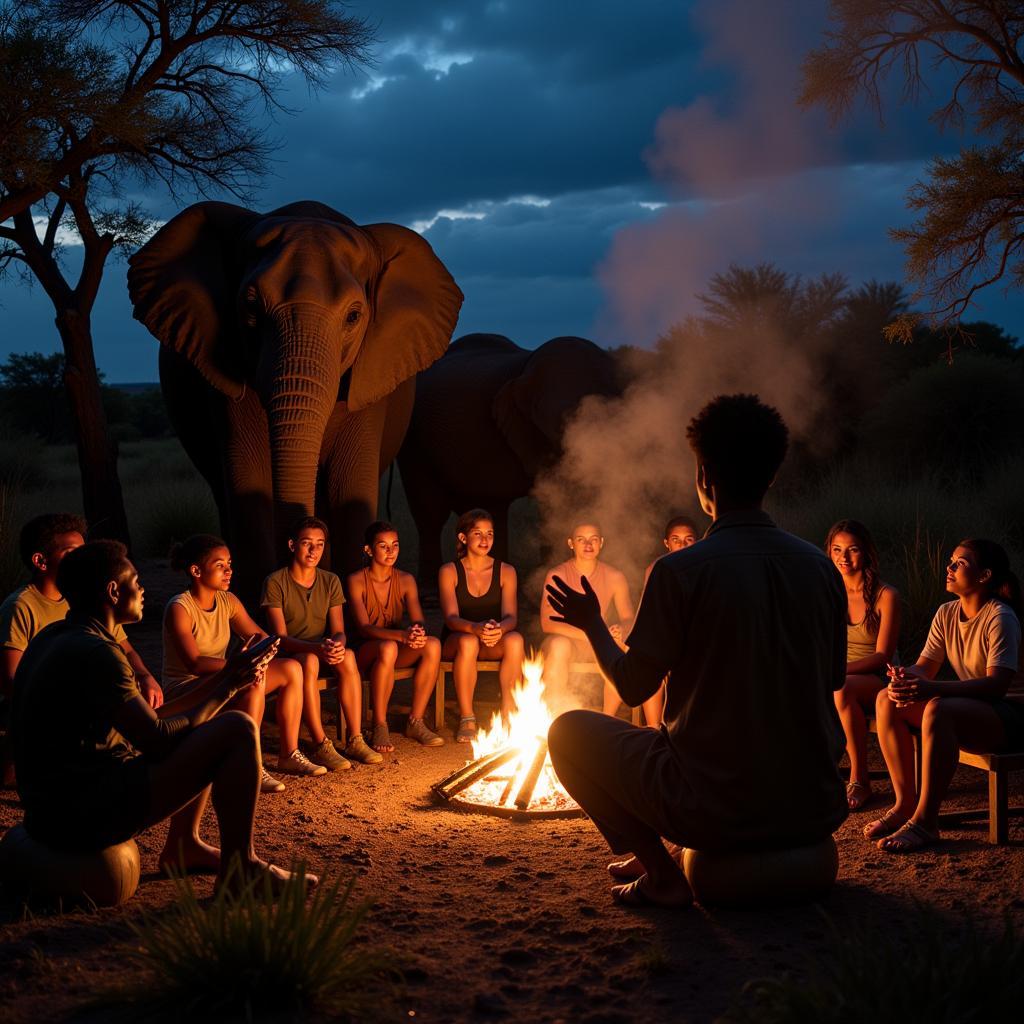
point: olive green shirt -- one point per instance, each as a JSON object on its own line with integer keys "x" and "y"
{"x": 305, "y": 608}
{"x": 211, "y": 630}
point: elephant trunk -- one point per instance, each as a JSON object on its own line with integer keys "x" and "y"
{"x": 303, "y": 370}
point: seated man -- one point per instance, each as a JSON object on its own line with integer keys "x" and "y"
{"x": 751, "y": 622}
{"x": 95, "y": 765}
{"x": 303, "y": 606}
{"x": 563, "y": 644}
{"x": 43, "y": 543}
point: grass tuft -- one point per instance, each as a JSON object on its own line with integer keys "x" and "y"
{"x": 251, "y": 955}
{"x": 921, "y": 967}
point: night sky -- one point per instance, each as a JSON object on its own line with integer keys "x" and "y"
{"x": 581, "y": 167}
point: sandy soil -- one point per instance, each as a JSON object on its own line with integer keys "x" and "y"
{"x": 506, "y": 920}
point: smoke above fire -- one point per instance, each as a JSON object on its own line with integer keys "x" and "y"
{"x": 746, "y": 171}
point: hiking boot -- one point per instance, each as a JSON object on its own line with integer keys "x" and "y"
{"x": 296, "y": 763}
{"x": 323, "y": 753}
{"x": 358, "y": 750}
{"x": 417, "y": 730}
{"x": 268, "y": 784}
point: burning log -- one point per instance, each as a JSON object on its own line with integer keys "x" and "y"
{"x": 465, "y": 777}
{"x": 525, "y": 793}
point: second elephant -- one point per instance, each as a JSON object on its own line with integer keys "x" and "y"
{"x": 488, "y": 418}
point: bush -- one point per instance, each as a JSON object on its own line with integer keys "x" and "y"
{"x": 162, "y": 509}
{"x": 915, "y": 968}
{"x": 254, "y": 956}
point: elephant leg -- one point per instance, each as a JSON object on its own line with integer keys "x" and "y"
{"x": 247, "y": 516}
{"x": 350, "y": 480}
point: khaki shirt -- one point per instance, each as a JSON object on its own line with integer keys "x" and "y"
{"x": 26, "y": 612}
{"x": 211, "y": 629}
{"x": 305, "y": 608}
{"x": 751, "y": 622}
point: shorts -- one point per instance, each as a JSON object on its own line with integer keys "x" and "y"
{"x": 112, "y": 806}
{"x": 1011, "y": 714}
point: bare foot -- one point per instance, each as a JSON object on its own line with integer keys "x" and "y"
{"x": 643, "y": 893}
{"x": 631, "y": 867}
{"x": 193, "y": 857}
{"x": 258, "y": 869}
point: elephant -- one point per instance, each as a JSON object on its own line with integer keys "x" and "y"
{"x": 488, "y": 419}
{"x": 290, "y": 342}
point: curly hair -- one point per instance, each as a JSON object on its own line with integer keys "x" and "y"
{"x": 38, "y": 534}
{"x": 872, "y": 582}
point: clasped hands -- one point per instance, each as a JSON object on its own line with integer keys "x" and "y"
{"x": 332, "y": 651}
{"x": 415, "y": 636}
{"x": 907, "y": 686}
{"x": 489, "y": 632}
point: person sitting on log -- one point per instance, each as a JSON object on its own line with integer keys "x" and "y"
{"x": 198, "y": 625}
{"x": 43, "y": 543}
{"x": 95, "y": 764}
{"x": 563, "y": 644}
{"x": 302, "y": 603}
{"x": 479, "y": 601}
{"x": 872, "y": 630}
{"x": 382, "y": 598}
{"x": 979, "y": 635}
{"x": 751, "y": 623}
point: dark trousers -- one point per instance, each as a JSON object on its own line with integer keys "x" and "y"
{"x": 627, "y": 779}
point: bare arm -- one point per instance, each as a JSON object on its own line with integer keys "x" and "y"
{"x": 357, "y": 600}
{"x": 446, "y": 581}
{"x": 184, "y": 642}
{"x": 148, "y": 686}
{"x": 909, "y": 686}
{"x": 888, "y": 635}
{"x": 509, "y": 599}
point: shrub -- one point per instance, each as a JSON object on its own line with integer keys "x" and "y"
{"x": 254, "y": 955}
{"x": 917, "y": 967}
{"x": 162, "y": 510}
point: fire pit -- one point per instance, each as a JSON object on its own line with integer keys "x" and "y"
{"x": 511, "y": 774}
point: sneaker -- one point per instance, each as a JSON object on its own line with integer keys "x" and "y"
{"x": 358, "y": 750}
{"x": 325, "y": 754}
{"x": 417, "y": 730}
{"x": 296, "y": 763}
{"x": 268, "y": 784}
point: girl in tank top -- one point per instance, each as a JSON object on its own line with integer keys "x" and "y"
{"x": 479, "y": 603}
{"x": 381, "y": 596}
{"x": 872, "y": 631}
{"x": 198, "y": 625}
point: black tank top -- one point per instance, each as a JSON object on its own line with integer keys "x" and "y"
{"x": 473, "y": 608}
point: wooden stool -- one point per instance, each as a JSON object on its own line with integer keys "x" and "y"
{"x": 760, "y": 878}
{"x": 104, "y": 878}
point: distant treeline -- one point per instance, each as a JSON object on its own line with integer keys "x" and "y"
{"x": 32, "y": 402}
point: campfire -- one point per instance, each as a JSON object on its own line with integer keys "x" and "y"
{"x": 511, "y": 773}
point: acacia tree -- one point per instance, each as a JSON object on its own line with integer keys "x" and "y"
{"x": 970, "y": 231}
{"x": 100, "y": 99}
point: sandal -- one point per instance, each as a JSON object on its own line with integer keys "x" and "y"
{"x": 884, "y": 826}
{"x": 381, "y": 741}
{"x": 857, "y": 795}
{"x": 908, "y": 838}
{"x": 467, "y": 729}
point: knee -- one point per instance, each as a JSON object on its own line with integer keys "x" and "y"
{"x": 934, "y": 715}
{"x": 388, "y": 653}
{"x": 514, "y": 643}
{"x": 292, "y": 673}
{"x": 883, "y": 706}
{"x": 310, "y": 665}
{"x": 556, "y": 648}
{"x": 564, "y": 732}
{"x": 240, "y": 729}
{"x": 432, "y": 650}
{"x": 469, "y": 645}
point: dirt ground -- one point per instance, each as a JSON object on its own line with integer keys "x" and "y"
{"x": 498, "y": 919}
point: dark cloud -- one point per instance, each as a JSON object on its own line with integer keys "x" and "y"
{"x": 533, "y": 142}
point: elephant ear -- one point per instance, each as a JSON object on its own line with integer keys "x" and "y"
{"x": 415, "y": 304}
{"x": 532, "y": 409}
{"x": 182, "y": 288}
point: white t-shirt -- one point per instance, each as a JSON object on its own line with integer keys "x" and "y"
{"x": 971, "y": 646}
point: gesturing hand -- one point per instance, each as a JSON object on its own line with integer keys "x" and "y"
{"x": 573, "y": 607}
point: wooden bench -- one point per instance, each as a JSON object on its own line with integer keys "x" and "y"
{"x": 998, "y": 811}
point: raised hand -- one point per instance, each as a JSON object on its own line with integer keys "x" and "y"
{"x": 574, "y": 607}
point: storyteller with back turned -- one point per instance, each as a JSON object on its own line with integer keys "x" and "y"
{"x": 751, "y": 624}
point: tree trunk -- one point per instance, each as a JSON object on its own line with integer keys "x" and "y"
{"x": 97, "y": 452}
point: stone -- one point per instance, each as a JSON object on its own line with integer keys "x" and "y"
{"x": 758, "y": 878}
{"x": 38, "y": 873}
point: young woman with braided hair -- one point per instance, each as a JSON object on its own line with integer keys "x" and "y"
{"x": 872, "y": 630}
{"x": 980, "y": 710}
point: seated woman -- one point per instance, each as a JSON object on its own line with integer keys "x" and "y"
{"x": 979, "y": 635}
{"x": 303, "y": 606}
{"x": 197, "y": 629}
{"x": 382, "y": 597}
{"x": 872, "y": 630}
{"x": 480, "y": 607}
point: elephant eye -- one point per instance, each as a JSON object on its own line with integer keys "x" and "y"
{"x": 353, "y": 316}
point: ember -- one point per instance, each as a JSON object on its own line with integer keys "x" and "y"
{"x": 511, "y": 773}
